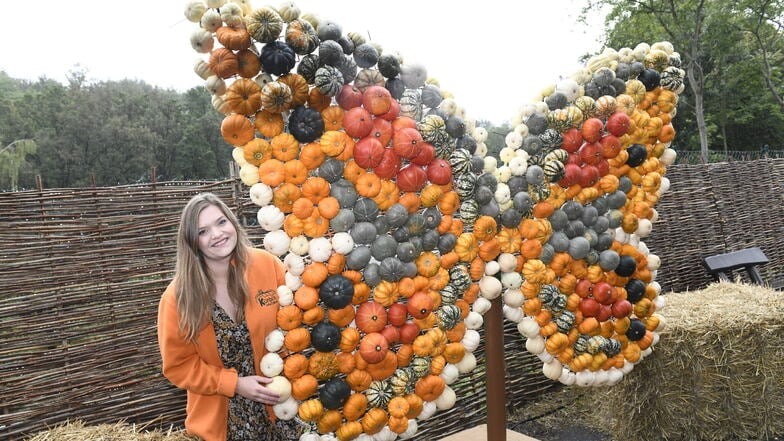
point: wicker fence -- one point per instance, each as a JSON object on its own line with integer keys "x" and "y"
{"x": 83, "y": 269}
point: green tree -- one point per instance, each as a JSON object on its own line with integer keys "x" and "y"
{"x": 12, "y": 157}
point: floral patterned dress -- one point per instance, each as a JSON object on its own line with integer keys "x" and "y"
{"x": 248, "y": 420}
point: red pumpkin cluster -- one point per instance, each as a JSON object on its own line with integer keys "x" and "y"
{"x": 389, "y": 144}
{"x": 591, "y": 147}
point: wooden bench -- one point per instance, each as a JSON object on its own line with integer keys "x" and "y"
{"x": 722, "y": 266}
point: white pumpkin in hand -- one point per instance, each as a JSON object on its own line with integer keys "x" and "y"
{"x": 281, "y": 386}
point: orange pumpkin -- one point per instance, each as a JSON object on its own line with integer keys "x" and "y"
{"x": 295, "y": 366}
{"x": 237, "y": 129}
{"x": 355, "y": 406}
{"x": 374, "y": 420}
{"x": 332, "y": 117}
{"x": 223, "y": 62}
{"x": 359, "y": 380}
{"x": 257, "y": 151}
{"x": 303, "y": 387}
{"x": 268, "y": 123}
{"x": 284, "y": 196}
{"x": 430, "y": 387}
{"x": 330, "y": 421}
{"x": 233, "y": 37}
{"x": 297, "y": 339}
{"x": 272, "y": 172}
{"x": 289, "y": 317}
{"x": 243, "y": 96}
{"x": 299, "y": 88}
{"x": 323, "y": 365}
{"x": 248, "y": 64}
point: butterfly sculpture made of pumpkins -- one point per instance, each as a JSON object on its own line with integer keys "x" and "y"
{"x": 397, "y": 229}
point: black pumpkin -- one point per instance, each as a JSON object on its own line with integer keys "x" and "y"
{"x": 277, "y": 58}
{"x": 637, "y": 155}
{"x": 511, "y": 218}
{"x": 325, "y": 336}
{"x": 489, "y": 181}
{"x": 635, "y": 290}
{"x": 523, "y": 203}
{"x": 337, "y": 291}
{"x": 306, "y": 124}
{"x": 626, "y": 266}
{"x": 483, "y": 195}
{"x": 649, "y": 78}
{"x": 329, "y": 30}
{"x": 416, "y": 224}
{"x": 636, "y": 330}
{"x": 468, "y": 143}
{"x": 334, "y": 393}
{"x": 389, "y": 65}
{"x": 432, "y": 218}
{"x": 537, "y": 123}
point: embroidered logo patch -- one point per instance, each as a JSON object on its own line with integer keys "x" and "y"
{"x": 266, "y": 297}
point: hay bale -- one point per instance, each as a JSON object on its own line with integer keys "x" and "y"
{"x": 78, "y": 431}
{"x": 717, "y": 373}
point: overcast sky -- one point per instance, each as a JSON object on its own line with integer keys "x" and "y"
{"x": 494, "y": 56}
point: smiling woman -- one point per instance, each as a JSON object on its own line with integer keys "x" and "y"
{"x": 499, "y": 36}
{"x": 212, "y": 323}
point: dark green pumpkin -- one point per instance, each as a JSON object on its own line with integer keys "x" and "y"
{"x": 384, "y": 246}
{"x": 416, "y": 224}
{"x": 365, "y": 210}
{"x": 365, "y": 55}
{"x": 406, "y": 252}
{"x": 391, "y": 269}
{"x": 344, "y": 192}
{"x": 308, "y": 66}
{"x": 358, "y": 258}
{"x": 389, "y": 65}
{"x": 363, "y": 233}
{"x": 336, "y": 292}
{"x": 330, "y": 52}
{"x": 397, "y": 215}
{"x": 446, "y": 243}
{"x": 370, "y": 275}
{"x": 343, "y": 221}
{"x": 430, "y": 239}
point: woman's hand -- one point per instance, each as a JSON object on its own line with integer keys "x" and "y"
{"x": 252, "y": 388}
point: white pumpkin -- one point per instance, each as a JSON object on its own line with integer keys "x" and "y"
{"x": 665, "y": 185}
{"x": 470, "y": 340}
{"x": 217, "y": 86}
{"x": 231, "y": 13}
{"x": 627, "y": 367}
{"x": 668, "y": 157}
{"x": 514, "y": 315}
{"x": 385, "y": 434}
{"x": 552, "y": 369}
{"x": 411, "y": 430}
{"x": 277, "y": 242}
{"x": 271, "y": 364}
{"x": 644, "y": 228}
{"x": 518, "y": 165}
{"x": 507, "y": 262}
{"x": 535, "y": 344}
{"x": 238, "y": 155}
{"x": 646, "y": 352}
{"x": 202, "y": 69}
{"x": 492, "y": 267}
{"x": 310, "y": 436}
{"x": 299, "y": 245}
{"x": 490, "y": 164}
{"x": 584, "y": 378}
{"x": 263, "y": 79}
{"x": 522, "y": 128}
{"x": 480, "y": 134}
{"x": 654, "y": 262}
{"x": 215, "y": 3}
{"x": 614, "y": 376}
{"x": 506, "y": 154}
{"x": 480, "y": 150}
{"x": 319, "y": 249}
{"x": 364, "y": 437}
{"x": 502, "y": 194}
{"x": 342, "y": 243}
{"x": 271, "y": 218}
{"x": 467, "y": 364}
{"x": 428, "y": 410}
{"x": 448, "y": 106}
{"x": 489, "y": 287}
{"x": 662, "y": 321}
{"x": 281, "y": 386}
{"x": 545, "y": 357}
{"x": 211, "y": 21}
{"x": 516, "y": 120}
{"x": 285, "y": 295}
{"x": 655, "y": 339}
{"x": 249, "y": 173}
{"x": 294, "y": 263}
{"x": 567, "y": 377}
{"x": 481, "y": 305}
{"x": 569, "y": 88}
{"x": 511, "y": 280}
{"x": 600, "y": 378}
{"x": 194, "y": 10}
{"x": 447, "y": 399}
{"x": 513, "y": 140}
{"x": 506, "y": 205}
{"x": 473, "y": 320}
{"x": 513, "y": 297}
{"x": 274, "y": 340}
{"x": 503, "y": 173}
{"x": 286, "y": 409}
{"x": 528, "y": 327}
{"x": 328, "y": 437}
{"x": 202, "y": 41}
{"x": 293, "y": 282}
{"x": 643, "y": 247}
{"x": 450, "y": 374}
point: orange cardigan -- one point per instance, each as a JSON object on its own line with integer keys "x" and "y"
{"x": 198, "y": 367}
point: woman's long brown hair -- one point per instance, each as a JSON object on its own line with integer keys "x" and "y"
{"x": 195, "y": 289}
